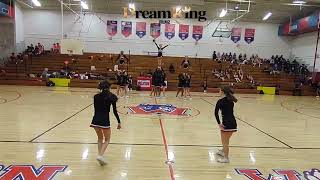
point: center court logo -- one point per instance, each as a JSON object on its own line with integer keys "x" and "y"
{"x": 255, "y": 174}
{"x": 21, "y": 172}
{"x": 158, "y": 108}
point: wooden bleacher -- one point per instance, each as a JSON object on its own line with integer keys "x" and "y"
{"x": 200, "y": 70}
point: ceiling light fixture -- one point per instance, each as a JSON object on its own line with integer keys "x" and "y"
{"x": 298, "y": 2}
{"x": 36, "y": 3}
{"x": 223, "y": 13}
{"x": 84, "y": 5}
{"x": 267, "y": 16}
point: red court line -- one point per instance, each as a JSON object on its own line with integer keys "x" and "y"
{"x": 166, "y": 147}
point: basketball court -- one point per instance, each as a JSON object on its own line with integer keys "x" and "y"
{"x": 50, "y": 126}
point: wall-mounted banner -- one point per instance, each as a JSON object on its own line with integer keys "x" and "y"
{"x": 183, "y": 31}
{"x": 126, "y": 28}
{"x": 170, "y": 30}
{"x": 197, "y": 32}
{"x": 141, "y": 29}
{"x": 249, "y": 35}
{"x": 112, "y": 27}
{"x": 155, "y": 30}
{"x": 236, "y": 34}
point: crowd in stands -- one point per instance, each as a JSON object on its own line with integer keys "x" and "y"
{"x": 274, "y": 65}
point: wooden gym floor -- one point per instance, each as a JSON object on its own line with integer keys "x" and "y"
{"x": 50, "y": 126}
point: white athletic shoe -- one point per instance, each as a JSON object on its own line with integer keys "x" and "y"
{"x": 127, "y": 97}
{"x": 220, "y": 152}
{"x": 101, "y": 161}
{"x": 223, "y": 160}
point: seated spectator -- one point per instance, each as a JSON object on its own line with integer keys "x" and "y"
{"x": 250, "y": 78}
{"x": 13, "y": 58}
{"x": 236, "y": 77}
{"x": 2, "y": 71}
{"x": 234, "y": 56}
{"x": 240, "y": 57}
{"x": 240, "y": 73}
{"x": 45, "y": 73}
{"x": 216, "y": 73}
{"x": 36, "y": 51}
{"x": 297, "y": 89}
{"x": 185, "y": 63}
{"x": 53, "y": 48}
{"x": 31, "y": 48}
{"x": 58, "y": 49}
{"x": 171, "y": 69}
{"x": 214, "y": 56}
{"x": 40, "y": 49}
{"x": 116, "y": 68}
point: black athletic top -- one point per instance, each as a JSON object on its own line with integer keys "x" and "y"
{"x": 226, "y": 107}
{"x": 102, "y": 104}
{"x": 160, "y": 49}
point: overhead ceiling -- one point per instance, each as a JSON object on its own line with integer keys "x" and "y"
{"x": 280, "y": 8}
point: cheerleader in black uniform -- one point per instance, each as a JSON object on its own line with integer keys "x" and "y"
{"x": 228, "y": 125}
{"x": 130, "y": 82}
{"x": 158, "y": 81}
{"x": 124, "y": 83}
{"x": 163, "y": 83}
{"x": 118, "y": 78}
{"x": 121, "y": 58}
{"x": 153, "y": 81}
{"x": 180, "y": 84}
{"x": 187, "y": 86}
{"x": 101, "y": 119}
{"x": 160, "y": 52}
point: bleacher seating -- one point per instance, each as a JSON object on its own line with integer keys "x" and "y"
{"x": 200, "y": 69}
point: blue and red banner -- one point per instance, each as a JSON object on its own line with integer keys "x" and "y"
{"x": 170, "y": 30}
{"x": 155, "y": 30}
{"x": 236, "y": 34}
{"x": 249, "y": 35}
{"x": 197, "y": 32}
{"x": 159, "y": 108}
{"x": 7, "y": 9}
{"x": 300, "y": 26}
{"x": 141, "y": 29}
{"x": 126, "y": 28}
{"x": 183, "y": 31}
{"x": 112, "y": 27}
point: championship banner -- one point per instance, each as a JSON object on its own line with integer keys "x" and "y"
{"x": 249, "y": 35}
{"x": 183, "y": 31}
{"x": 112, "y": 27}
{"x": 197, "y": 32}
{"x": 236, "y": 34}
{"x": 126, "y": 28}
{"x": 141, "y": 29}
{"x": 155, "y": 30}
{"x": 170, "y": 30}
